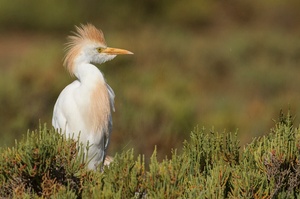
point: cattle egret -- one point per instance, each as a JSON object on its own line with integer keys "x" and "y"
{"x": 84, "y": 107}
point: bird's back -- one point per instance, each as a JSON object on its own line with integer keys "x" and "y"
{"x": 64, "y": 107}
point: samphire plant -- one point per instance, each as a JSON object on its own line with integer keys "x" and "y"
{"x": 44, "y": 164}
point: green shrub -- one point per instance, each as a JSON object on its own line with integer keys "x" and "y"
{"x": 43, "y": 163}
{"x": 210, "y": 165}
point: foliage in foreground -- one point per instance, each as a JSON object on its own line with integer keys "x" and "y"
{"x": 211, "y": 165}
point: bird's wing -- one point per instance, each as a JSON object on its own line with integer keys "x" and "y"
{"x": 58, "y": 120}
{"x": 111, "y": 97}
{"x": 63, "y": 107}
{"x": 112, "y": 108}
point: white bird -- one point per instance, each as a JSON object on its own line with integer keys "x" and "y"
{"x": 85, "y": 106}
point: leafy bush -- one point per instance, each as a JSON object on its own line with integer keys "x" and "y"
{"x": 210, "y": 165}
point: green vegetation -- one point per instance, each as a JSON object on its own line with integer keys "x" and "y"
{"x": 211, "y": 165}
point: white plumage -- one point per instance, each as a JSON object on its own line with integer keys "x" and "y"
{"x": 85, "y": 106}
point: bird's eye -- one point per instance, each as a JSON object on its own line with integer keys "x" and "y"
{"x": 99, "y": 50}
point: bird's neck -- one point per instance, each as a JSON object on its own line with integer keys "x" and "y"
{"x": 93, "y": 87}
{"x": 88, "y": 73}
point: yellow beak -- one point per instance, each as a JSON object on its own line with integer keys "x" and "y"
{"x": 116, "y": 51}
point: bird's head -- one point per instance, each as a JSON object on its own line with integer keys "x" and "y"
{"x": 88, "y": 45}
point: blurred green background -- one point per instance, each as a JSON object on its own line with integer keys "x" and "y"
{"x": 220, "y": 64}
